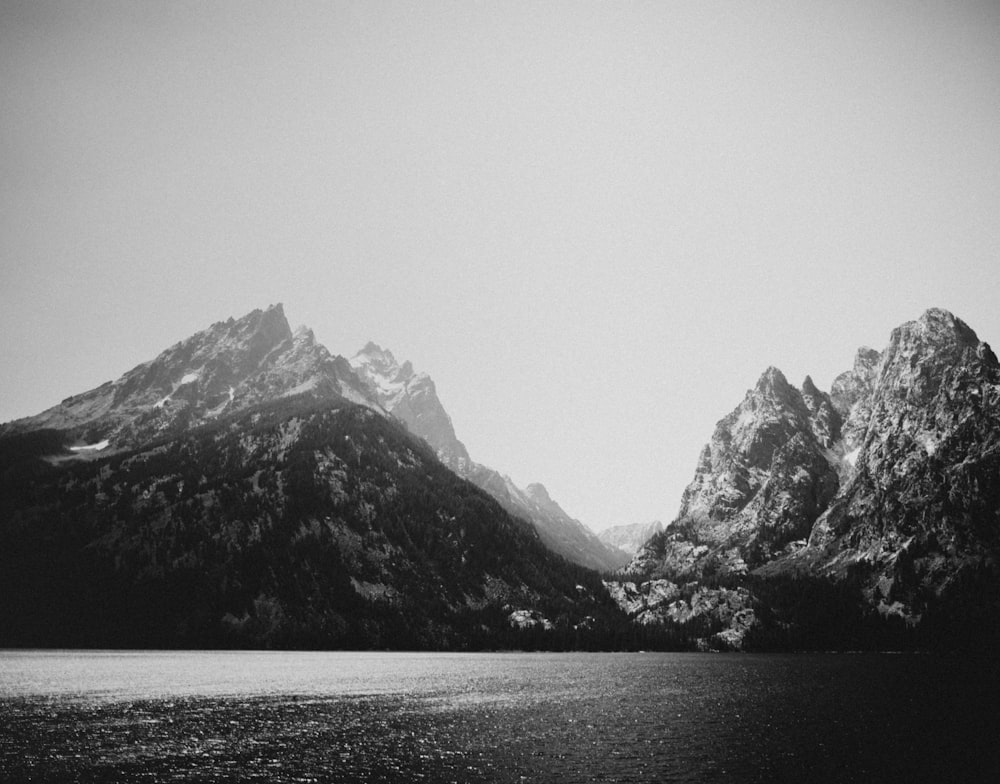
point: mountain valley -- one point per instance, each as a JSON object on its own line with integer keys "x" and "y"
{"x": 247, "y": 488}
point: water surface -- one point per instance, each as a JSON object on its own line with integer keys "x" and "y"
{"x": 84, "y": 716}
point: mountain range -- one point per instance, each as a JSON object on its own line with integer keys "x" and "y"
{"x": 871, "y": 509}
{"x": 630, "y": 538}
{"x": 248, "y": 488}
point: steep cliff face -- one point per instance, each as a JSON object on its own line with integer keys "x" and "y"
{"x": 761, "y": 481}
{"x": 887, "y": 489}
{"x": 412, "y": 398}
{"x": 851, "y": 394}
{"x": 921, "y": 510}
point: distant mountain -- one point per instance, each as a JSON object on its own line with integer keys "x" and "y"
{"x": 245, "y": 488}
{"x": 412, "y": 398}
{"x": 630, "y": 538}
{"x": 867, "y": 516}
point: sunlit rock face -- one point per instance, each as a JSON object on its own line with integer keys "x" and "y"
{"x": 851, "y": 394}
{"x": 891, "y": 482}
{"x": 412, "y": 398}
{"x": 221, "y": 370}
{"x": 921, "y": 510}
{"x": 761, "y": 481}
{"x": 715, "y": 618}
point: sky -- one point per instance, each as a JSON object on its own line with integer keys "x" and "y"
{"x": 593, "y": 224}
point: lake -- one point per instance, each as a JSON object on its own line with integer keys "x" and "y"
{"x": 95, "y": 716}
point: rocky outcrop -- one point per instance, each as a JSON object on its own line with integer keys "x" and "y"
{"x": 761, "y": 482}
{"x": 889, "y": 485}
{"x": 412, "y": 398}
{"x": 851, "y": 395}
{"x": 717, "y": 618}
{"x": 922, "y": 505}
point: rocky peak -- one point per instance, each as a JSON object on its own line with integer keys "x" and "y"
{"x": 922, "y": 504}
{"x": 537, "y": 492}
{"x": 851, "y": 395}
{"x": 824, "y": 418}
{"x": 760, "y": 483}
{"x": 921, "y": 351}
{"x": 866, "y": 361}
{"x": 772, "y": 383}
{"x": 374, "y": 360}
{"x": 268, "y": 325}
{"x": 412, "y": 398}
{"x": 228, "y": 366}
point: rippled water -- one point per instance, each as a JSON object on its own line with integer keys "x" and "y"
{"x": 76, "y": 716}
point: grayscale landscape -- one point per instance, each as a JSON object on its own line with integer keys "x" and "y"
{"x": 499, "y": 392}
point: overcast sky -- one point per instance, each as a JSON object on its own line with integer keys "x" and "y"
{"x": 593, "y": 224}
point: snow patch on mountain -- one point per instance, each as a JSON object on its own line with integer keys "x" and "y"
{"x": 100, "y": 445}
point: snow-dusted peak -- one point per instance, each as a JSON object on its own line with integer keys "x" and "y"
{"x": 374, "y": 356}
{"x": 229, "y": 366}
{"x": 410, "y": 397}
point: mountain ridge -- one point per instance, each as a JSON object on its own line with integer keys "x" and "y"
{"x": 412, "y": 397}
{"x": 246, "y": 487}
{"x": 243, "y": 488}
{"x": 889, "y": 487}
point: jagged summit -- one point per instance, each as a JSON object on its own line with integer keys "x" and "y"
{"x": 892, "y": 480}
{"x": 225, "y": 494}
{"x": 746, "y": 501}
{"x": 920, "y": 352}
{"x": 772, "y": 380}
{"x": 412, "y": 398}
{"x": 373, "y": 353}
{"x": 229, "y": 366}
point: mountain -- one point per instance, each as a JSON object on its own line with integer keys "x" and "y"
{"x": 869, "y": 515}
{"x": 228, "y": 367}
{"x": 412, "y": 398}
{"x": 245, "y": 489}
{"x": 761, "y": 481}
{"x": 630, "y": 538}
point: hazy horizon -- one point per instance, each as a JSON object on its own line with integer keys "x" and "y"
{"x": 593, "y": 225}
